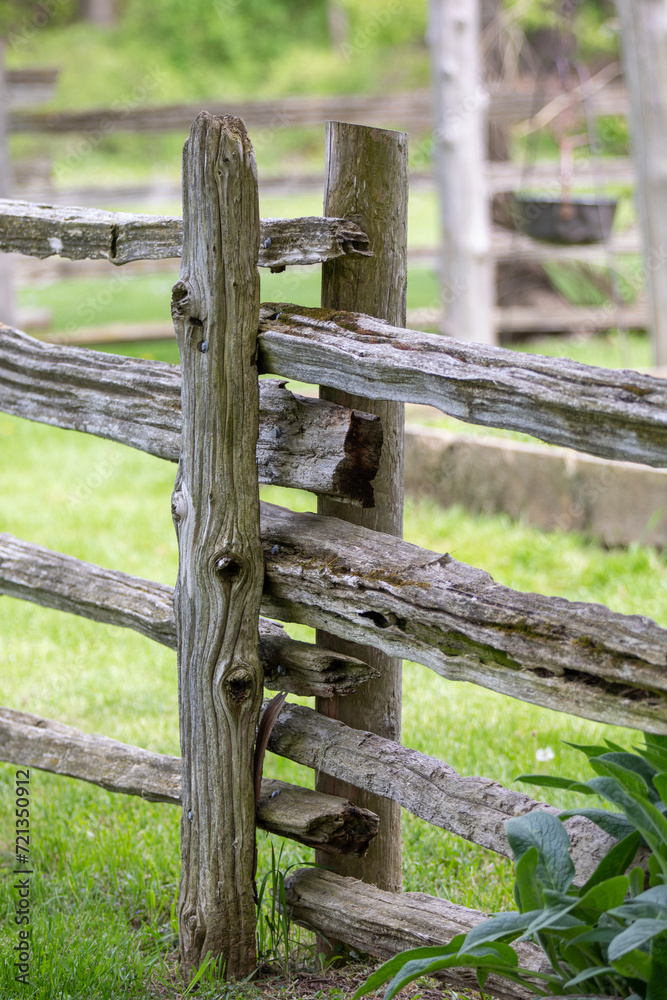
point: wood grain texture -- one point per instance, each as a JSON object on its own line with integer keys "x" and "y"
{"x": 366, "y": 180}
{"x": 471, "y": 807}
{"x": 300, "y": 814}
{"x": 52, "y": 580}
{"x": 120, "y": 237}
{"x": 612, "y": 414}
{"x": 383, "y": 923}
{"x": 215, "y": 504}
{"x": 303, "y": 443}
{"x": 429, "y": 608}
{"x": 426, "y": 607}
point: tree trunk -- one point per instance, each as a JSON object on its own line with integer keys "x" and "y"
{"x": 215, "y": 305}
{"x": 367, "y": 182}
{"x": 459, "y": 128}
{"x": 644, "y": 49}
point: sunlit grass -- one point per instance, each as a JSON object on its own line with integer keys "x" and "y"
{"x": 107, "y": 866}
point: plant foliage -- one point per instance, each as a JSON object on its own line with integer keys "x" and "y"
{"x": 607, "y": 937}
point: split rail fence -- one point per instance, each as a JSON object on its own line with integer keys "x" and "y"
{"x": 373, "y": 598}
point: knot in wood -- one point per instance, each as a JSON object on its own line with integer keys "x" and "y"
{"x": 178, "y": 507}
{"x": 239, "y": 683}
{"x": 179, "y": 291}
{"x": 227, "y": 566}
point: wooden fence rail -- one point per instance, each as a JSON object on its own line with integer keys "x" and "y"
{"x": 352, "y": 582}
{"x": 121, "y": 237}
{"x": 323, "y": 821}
{"x": 376, "y": 590}
{"x": 303, "y": 442}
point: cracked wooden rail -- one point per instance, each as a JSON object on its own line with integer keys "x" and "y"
{"x": 90, "y": 233}
{"x": 52, "y": 580}
{"x": 303, "y": 442}
{"x": 612, "y": 414}
{"x": 383, "y": 923}
{"x": 323, "y": 821}
{"x": 470, "y": 807}
{"x": 423, "y": 606}
{"x": 375, "y": 589}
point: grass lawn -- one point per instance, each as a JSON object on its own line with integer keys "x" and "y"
{"x": 107, "y": 867}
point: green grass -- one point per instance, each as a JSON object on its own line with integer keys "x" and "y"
{"x": 106, "y": 866}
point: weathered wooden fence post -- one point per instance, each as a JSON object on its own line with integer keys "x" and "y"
{"x": 643, "y": 46}
{"x": 215, "y": 306}
{"x": 367, "y": 183}
{"x": 7, "y": 307}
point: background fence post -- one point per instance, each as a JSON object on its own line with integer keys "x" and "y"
{"x": 367, "y": 183}
{"x": 7, "y": 307}
{"x": 215, "y": 306}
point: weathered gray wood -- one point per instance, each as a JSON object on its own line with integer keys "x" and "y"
{"x": 366, "y": 179}
{"x": 215, "y": 504}
{"x": 302, "y": 442}
{"x": 30, "y": 85}
{"x": 7, "y": 304}
{"x": 52, "y": 580}
{"x": 300, "y": 814}
{"x": 383, "y": 923}
{"x": 120, "y": 237}
{"x": 459, "y": 130}
{"x": 413, "y": 109}
{"x": 328, "y": 823}
{"x": 643, "y": 45}
{"x": 471, "y": 807}
{"x": 613, "y": 414}
{"x": 426, "y": 607}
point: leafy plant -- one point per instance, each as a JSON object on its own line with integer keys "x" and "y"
{"x": 608, "y": 936}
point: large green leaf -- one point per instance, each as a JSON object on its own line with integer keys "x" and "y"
{"x": 591, "y": 750}
{"x": 539, "y": 829}
{"x": 657, "y": 980}
{"x": 554, "y": 781}
{"x": 648, "y": 820}
{"x": 600, "y": 898}
{"x": 639, "y": 933}
{"x": 615, "y": 862}
{"x": 615, "y": 824}
{"x": 527, "y": 893}
{"x": 393, "y": 965}
{"x": 634, "y": 763}
{"x": 655, "y": 757}
{"x": 658, "y": 740}
{"x": 552, "y": 920}
{"x": 649, "y": 904}
{"x": 595, "y": 935}
{"x": 632, "y": 773}
{"x": 660, "y": 782}
{"x": 497, "y": 958}
{"x": 615, "y": 746}
{"x": 592, "y": 973}
{"x": 504, "y": 926}
{"x": 635, "y": 965}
